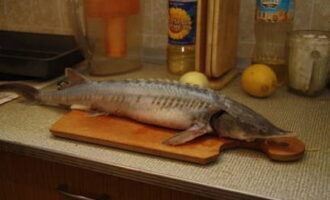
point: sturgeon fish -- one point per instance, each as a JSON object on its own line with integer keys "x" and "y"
{"x": 194, "y": 110}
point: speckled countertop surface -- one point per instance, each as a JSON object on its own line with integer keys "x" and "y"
{"x": 238, "y": 174}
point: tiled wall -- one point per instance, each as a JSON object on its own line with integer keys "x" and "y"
{"x": 52, "y": 16}
{"x": 48, "y": 16}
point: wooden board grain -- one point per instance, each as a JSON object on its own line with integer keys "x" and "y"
{"x": 131, "y": 135}
{"x": 209, "y": 38}
{"x": 217, "y": 35}
{"x": 221, "y": 82}
{"x": 225, "y": 36}
{"x": 200, "y": 57}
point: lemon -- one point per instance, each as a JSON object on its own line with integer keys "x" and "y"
{"x": 259, "y": 80}
{"x": 195, "y": 78}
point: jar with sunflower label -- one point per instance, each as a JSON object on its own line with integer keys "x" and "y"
{"x": 181, "y": 36}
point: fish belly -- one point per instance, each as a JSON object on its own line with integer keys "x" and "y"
{"x": 165, "y": 117}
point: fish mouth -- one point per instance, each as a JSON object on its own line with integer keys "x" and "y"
{"x": 214, "y": 118}
{"x": 283, "y": 133}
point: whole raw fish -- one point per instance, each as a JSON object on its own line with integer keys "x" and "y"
{"x": 170, "y": 104}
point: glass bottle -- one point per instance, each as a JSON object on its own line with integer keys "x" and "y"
{"x": 273, "y": 22}
{"x": 181, "y": 36}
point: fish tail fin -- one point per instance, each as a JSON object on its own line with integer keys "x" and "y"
{"x": 24, "y": 90}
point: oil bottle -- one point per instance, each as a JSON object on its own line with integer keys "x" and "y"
{"x": 181, "y": 36}
{"x": 273, "y": 22}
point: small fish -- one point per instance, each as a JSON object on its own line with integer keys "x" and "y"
{"x": 196, "y": 111}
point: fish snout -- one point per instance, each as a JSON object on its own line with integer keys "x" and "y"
{"x": 225, "y": 125}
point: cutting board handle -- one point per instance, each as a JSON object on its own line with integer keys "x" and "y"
{"x": 279, "y": 149}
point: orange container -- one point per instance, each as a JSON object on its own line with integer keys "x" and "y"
{"x": 115, "y": 14}
{"x": 116, "y": 20}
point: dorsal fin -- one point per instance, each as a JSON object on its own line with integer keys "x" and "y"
{"x": 73, "y": 78}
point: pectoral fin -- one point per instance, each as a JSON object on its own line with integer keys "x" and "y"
{"x": 91, "y": 112}
{"x": 96, "y": 114}
{"x": 193, "y": 132}
{"x": 80, "y": 107}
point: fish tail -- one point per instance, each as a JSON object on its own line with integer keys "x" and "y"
{"x": 24, "y": 90}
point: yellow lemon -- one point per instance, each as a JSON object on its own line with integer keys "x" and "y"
{"x": 259, "y": 80}
{"x": 195, "y": 78}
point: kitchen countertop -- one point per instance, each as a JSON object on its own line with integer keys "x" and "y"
{"x": 237, "y": 174}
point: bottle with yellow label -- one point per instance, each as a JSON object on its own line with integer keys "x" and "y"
{"x": 181, "y": 36}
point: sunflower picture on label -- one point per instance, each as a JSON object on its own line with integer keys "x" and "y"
{"x": 181, "y": 24}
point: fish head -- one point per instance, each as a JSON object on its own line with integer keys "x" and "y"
{"x": 226, "y": 125}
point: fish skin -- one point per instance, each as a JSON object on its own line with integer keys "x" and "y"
{"x": 161, "y": 102}
{"x": 164, "y": 103}
{"x": 228, "y": 126}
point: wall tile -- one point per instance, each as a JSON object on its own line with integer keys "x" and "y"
{"x": 54, "y": 16}
{"x": 66, "y": 14}
{"x": 69, "y": 11}
{"x": 160, "y": 17}
{"x": 15, "y": 21}
{"x": 321, "y": 15}
{"x": 246, "y": 21}
{"x": 31, "y": 16}
{"x": 246, "y": 28}
{"x": 46, "y": 16}
{"x": 155, "y": 24}
{"x": 245, "y": 49}
{"x": 160, "y": 41}
{"x": 148, "y": 26}
{"x": 303, "y": 14}
{"x": 160, "y": 23}
{"x": 2, "y": 10}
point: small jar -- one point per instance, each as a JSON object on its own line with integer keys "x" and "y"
{"x": 309, "y": 64}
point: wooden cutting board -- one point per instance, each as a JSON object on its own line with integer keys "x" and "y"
{"x": 130, "y": 135}
{"x": 216, "y": 36}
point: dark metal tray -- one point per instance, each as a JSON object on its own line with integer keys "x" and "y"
{"x": 37, "y": 55}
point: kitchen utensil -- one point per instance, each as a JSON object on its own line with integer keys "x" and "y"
{"x": 216, "y": 40}
{"x": 37, "y": 55}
